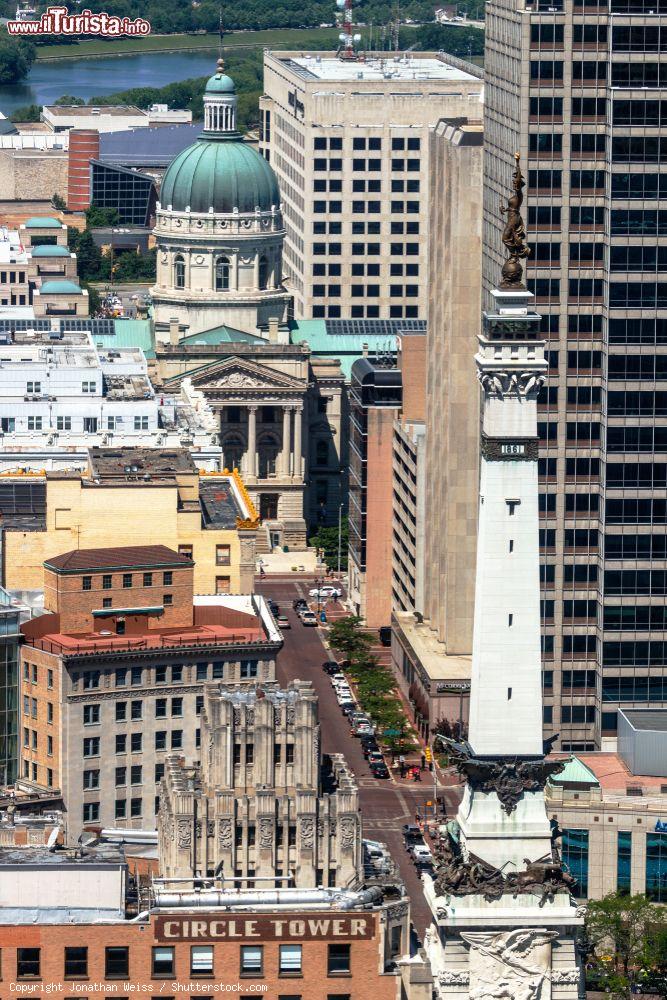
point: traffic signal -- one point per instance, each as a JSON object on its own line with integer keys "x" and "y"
{"x": 428, "y": 755}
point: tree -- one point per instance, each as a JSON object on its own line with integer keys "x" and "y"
{"x": 455, "y": 39}
{"x": 632, "y": 930}
{"x": 98, "y": 218}
{"x": 89, "y": 257}
{"x": 16, "y": 58}
{"x": 94, "y": 301}
{"x": 59, "y": 203}
{"x": 327, "y": 540}
{"x": 348, "y": 637}
{"x": 27, "y": 113}
{"x": 68, "y": 101}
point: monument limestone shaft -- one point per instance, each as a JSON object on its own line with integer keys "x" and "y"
{"x": 505, "y": 924}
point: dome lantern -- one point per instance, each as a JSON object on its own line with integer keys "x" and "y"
{"x": 220, "y": 103}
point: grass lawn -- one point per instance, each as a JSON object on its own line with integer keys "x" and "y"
{"x": 281, "y": 38}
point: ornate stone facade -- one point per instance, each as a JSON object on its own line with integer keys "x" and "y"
{"x": 263, "y": 805}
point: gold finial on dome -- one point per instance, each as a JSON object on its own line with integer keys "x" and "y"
{"x": 220, "y": 66}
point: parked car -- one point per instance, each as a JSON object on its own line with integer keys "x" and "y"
{"x": 412, "y": 834}
{"x": 325, "y": 592}
{"x": 343, "y": 694}
{"x": 330, "y": 667}
{"x": 338, "y": 678}
{"x": 308, "y": 618}
{"x": 273, "y": 607}
{"x": 369, "y": 748}
{"x": 362, "y": 729}
{"x": 360, "y": 717}
{"x": 421, "y": 854}
{"x": 283, "y": 621}
{"x": 299, "y": 603}
{"x": 375, "y": 757}
{"x": 380, "y": 770}
{"x": 347, "y": 708}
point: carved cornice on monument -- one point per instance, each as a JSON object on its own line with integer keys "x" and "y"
{"x": 511, "y": 383}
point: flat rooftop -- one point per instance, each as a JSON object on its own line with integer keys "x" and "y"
{"x": 424, "y": 642}
{"x": 614, "y": 775}
{"x": 130, "y": 463}
{"x": 86, "y": 644}
{"x": 399, "y": 68}
{"x": 86, "y": 110}
{"x": 41, "y": 337}
{"x": 124, "y": 387}
{"x": 652, "y": 720}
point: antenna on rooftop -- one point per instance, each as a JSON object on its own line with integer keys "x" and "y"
{"x": 349, "y": 41}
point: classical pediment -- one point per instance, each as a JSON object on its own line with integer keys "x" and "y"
{"x": 238, "y": 375}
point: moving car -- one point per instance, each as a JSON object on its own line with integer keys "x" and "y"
{"x": 283, "y": 621}
{"x": 325, "y": 592}
{"x": 308, "y": 618}
{"x": 299, "y": 604}
{"x": 412, "y": 834}
{"x": 330, "y": 667}
{"x": 379, "y": 770}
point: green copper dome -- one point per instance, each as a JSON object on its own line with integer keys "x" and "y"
{"x": 222, "y": 173}
{"x": 220, "y": 83}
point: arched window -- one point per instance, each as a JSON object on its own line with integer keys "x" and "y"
{"x": 222, "y": 271}
{"x": 179, "y": 272}
{"x": 263, "y": 272}
{"x": 322, "y": 453}
{"x": 268, "y": 451}
{"x": 233, "y": 450}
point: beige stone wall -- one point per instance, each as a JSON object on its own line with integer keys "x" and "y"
{"x": 24, "y": 173}
{"x": 452, "y": 418}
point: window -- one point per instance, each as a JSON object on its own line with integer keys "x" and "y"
{"x": 136, "y": 710}
{"x": 167, "y": 600}
{"x": 86, "y": 583}
{"x": 91, "y": 715}
{"x": 290, "y": 959}
{"x": 222, "y": 555}
{"x": 338, "y": 961}
{"x": 121, "y": 776}
{"x": 161, "y": 708}
{"x": 91, "y": 746}
{"x": 91, "y": 779}
{"x": 34, "y": 423}
{"x": 168, "y": 578}
{"x": 201, "y": 960}
{"x": 33, "y": 388}
{"x": 64, "y": 423}
{"x": 222, "y": 272}
{"x": 121, "y": 743}
{"x": 148, "y": 578}
{"x": 575, "y": 856}
{"x": 76, "y": 962}
{"x": 179, "y": 272}
{"x": 135, "y": 807}
{"x": 117, "y": 962}
{"x": 91, "y": 812}
{"x": 177, "y": 739}
{"x": 656, "y": 865}
{"x": 177, "y": 707}
{"x": 89, "y": 387}
{"x": 248, "y": 669}
{"x": 27, "y": 963}
{"x": 136, "y": 676}
{"x": 135, "y": 742}
{"x": 163, "y": 962}
{"x": 106, "y": 581}
{"x": 251, "y": 960}
{"x": 623, "y": 862}
{"x": 161, "y": 739}
{"x": 136, "y": 774}
{"x": 121, "y": 808}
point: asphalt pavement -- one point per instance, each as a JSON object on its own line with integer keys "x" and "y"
{"x": 385, "y": 804}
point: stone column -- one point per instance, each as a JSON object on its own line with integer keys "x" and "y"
{"x": 285, "y": 453}
{"x": 252, "y": 441}
{"x": 297, "y": 470}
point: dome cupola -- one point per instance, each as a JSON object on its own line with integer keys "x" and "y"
{"x": 220, "y": 103}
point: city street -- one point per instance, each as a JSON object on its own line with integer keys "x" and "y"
{"x": 386, "y": 805}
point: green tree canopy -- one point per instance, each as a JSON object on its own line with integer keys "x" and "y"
{"x": 16, "y": 58}
{"x": 627, "y": 936}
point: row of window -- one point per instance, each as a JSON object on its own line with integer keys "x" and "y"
{"x": 373, "y": 143}
{"x": 202, "y": 958}
{"x": 108, "y": 581}
{"x": 89, "y": 425}
{"x": 373, "y": 185}
{"x": 369, "y": 270}
{"x": 35, "y": 388}
{"x": 137, "y": 676}
{"x": 335, "y": 163}
{"x": 365, "y": 312}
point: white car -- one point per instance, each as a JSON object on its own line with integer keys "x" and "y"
{"x": 343, "y": 694}
{"x": 421, "y": 854}
{"x": 308, "y": 618}
{"x": 326, "y": 592}
{"x": 338, "y": 679}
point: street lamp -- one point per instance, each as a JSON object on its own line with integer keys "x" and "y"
{"x": 340, "y": 534}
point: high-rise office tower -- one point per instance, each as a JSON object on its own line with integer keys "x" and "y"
{"x": 579, "y": 88}
{"x": 348, "y": 140}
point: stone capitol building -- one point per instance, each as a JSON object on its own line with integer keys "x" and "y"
{"x": 220, "y": 315}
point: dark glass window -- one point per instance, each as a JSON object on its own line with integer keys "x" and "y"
{"x": 27, "y": 963}
{"x": 575, "y": 856}
{"x": 76, "y": 962}
{"x": 117, "y": 962}
{"x": 338, "y": 959}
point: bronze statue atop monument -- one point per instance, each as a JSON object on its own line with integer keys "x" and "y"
{"x": 514, "y": 233}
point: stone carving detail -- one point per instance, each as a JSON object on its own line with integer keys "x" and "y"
{"x": 291, "y": 715}
{"x": 225, "y": 834}
{"x": 512, "y": 964}
{"x": 348, "y": 829}
{"x": 320, "y": 829}
{"x": 237, "y": 716}
{"x": 184, "y": 833}
{"x": 496, "y": 450}
{"x": 511, "y": 383}
{"x": 456, "y": 876}
{"x": 250, "y": 716}
{"x": 198, "y": 829}
{"x": 236, "y": 380}
{"x": 307, "y": 832}
{"x": 265, "y": 832}
{"x": 509, "y": 779}
{"x": 199, "y": 259}
{"x": 454, "y": 978}
{"x": 398, "y": 912}
{"x": 566, "y": 977}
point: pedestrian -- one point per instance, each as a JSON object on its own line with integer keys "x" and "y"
{"x": 401, "y": 760}
{"x": 418, "y": 817}
{"x": 401, "y": 765}
{"x": 423, "y": 762}
{"x": 417, "y": 774}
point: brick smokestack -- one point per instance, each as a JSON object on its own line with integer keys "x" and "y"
{"x": 84, "y": 146}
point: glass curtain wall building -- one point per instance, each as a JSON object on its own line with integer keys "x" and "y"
{"x": 579, "y": 88}
{"x": 10, "y": 619}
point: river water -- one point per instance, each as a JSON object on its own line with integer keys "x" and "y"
{"x": 96, "y": 77}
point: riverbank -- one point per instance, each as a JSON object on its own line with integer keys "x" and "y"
{"x": 279, "y": 38}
